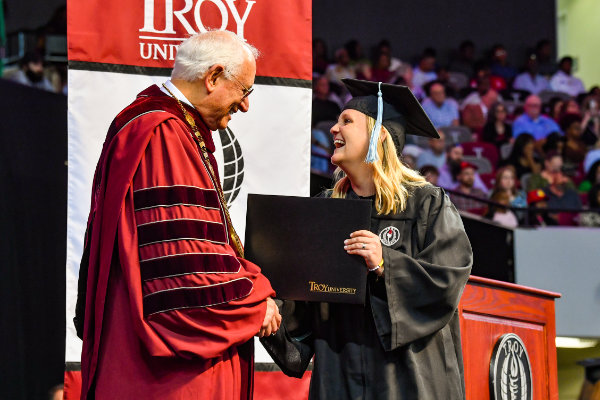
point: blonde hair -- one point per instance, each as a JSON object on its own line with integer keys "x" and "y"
{"x": 394, "y": 181}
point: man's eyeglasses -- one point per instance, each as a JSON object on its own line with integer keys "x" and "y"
{"x": 245, "y": 91}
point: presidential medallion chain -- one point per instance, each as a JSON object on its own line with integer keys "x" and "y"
{"x": 198, "y": 136}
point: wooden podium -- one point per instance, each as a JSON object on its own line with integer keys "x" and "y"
{"x": 491, "y": 309}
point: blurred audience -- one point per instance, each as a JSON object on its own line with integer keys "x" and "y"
{"x": 591, "y": 178}
{"x": 31, "y": 72}
{"x": 499, "y": 212}
{"x": 500, "y": 66}
{"x": 575, "y": 149}
{"x": 425, "y": 71}
{"x": 538, "y": 200}
{"x": 448, "y": 178}
{"x": 506, "y": 181}
{"x": 434, "y": 155}
{"x": 430, "y": 173}
{"x": 464, "y": 60}
{"x": 441, "y": 110}
{"x": 466, "y": 181}
{"x": 592, "y": 218}
{"x": 546, "y": 63}
{"x": 326, "y": 106}
{"x": 563, "y": 81}
{"x": 533, "y": 122}
{"x": 531, "y": 80}
{"x": 522, "y": 156}
{"x": 552, "y": 174}
{"x": 341, "y": 68}
{"x": 497, "y": 130}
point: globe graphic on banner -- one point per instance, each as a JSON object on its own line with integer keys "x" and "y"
{"x": 233, "y": 165}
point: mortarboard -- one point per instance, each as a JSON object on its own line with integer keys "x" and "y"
{"x": 393, "y": 106}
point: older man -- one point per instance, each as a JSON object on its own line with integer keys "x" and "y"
{"x": 533, "y": 122}
{"x": 441, "y": 110}
{"x": 171, "y": 306}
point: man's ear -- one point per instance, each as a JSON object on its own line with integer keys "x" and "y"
{"x": 212, "y": 77}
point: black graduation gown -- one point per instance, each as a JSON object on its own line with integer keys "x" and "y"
{"x": 404, "y": 343}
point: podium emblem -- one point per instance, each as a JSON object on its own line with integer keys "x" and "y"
{"x": 510, "y": 370}
{"x": 389, "y": 236}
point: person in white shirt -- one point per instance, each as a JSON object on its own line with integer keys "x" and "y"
{"x": 563, "y": 81}
{"x": 531, "y": 80}
{"x": 425, "y": 71}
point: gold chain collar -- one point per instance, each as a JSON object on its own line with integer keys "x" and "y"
{"x": 198, "y": 136}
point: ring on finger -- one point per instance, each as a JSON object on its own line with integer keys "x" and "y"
{"x": 364, "y": 246}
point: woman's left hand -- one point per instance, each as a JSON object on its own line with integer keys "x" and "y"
{"x": 367, "y": 245}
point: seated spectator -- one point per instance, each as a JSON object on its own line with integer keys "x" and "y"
{"x": 592, "y": 178}
{"x": 552, "y": 174}
{"x": 592, "y": 218}
{"x": 381, "y": 71}
{"x": 31, "y": 72}
{"x": 546, "y": 62}
{"x": 554, "y": 106}
{"x": 358, "y": 61}
{"x": 430, "y": 173}
{"x": 425, "y": 71}
{"x": 384, "y": 47}
{"x": 465, "y": 59}
{"x": 533, "y": 122}
{"x": 531, "y": 80}
{"x": 575, "y": 149}
{"x": 410, "y": 153}
{"x": 321, "y": 151}
{"x": 497, "y": 130}
{"x": 441, "y": 110}
{"x": 522, "y": 157}
{"x": 325, "y": 104}
{"x": 590, "y": 158}
{"x": 538, "y": 200}
{"x": 341, "y": 69}
{"x": 320, "y": 61}
{"x": 500, "y": 66}
{"x": 483, "y": 97}
{"x": 405, "y": 77}
{"x": 506, "y": 181}
{"x": 500, "y": 213}
{"x": 435, "y": 155}
{"x": 555, "y": 143}
{"x": 563, "y": 81}
{"x": 466, "y": 180}
{"x": 562, "y": 196}
{"x": 449, "y": 171}
{"x": 591, "y": 120}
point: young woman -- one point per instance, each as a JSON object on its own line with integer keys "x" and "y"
{"x": 522, "y": 156}
{"x": 506, "y": 181}
{"x": 497, "y": 130}
{"x": 405, "y": 341}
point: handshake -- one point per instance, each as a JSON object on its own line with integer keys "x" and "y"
{"x": 272, "y": 319}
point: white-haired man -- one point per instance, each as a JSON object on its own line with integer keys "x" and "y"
{"x": 167, "y": 307}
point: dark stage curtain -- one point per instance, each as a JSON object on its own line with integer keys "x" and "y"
{"x": 33, "y": 181}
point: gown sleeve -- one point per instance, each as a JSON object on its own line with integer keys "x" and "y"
{"x": 189, "y": 293}
{"x": 423, "y": 290}
{"x": 292, "y": 345}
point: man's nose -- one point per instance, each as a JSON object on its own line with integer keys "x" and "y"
{"x": 244, "y": 105}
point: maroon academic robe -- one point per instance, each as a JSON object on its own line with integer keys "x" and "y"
{"x": 171, "y": 309}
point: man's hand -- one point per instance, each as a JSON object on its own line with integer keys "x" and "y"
{"x": 272, "y": 319}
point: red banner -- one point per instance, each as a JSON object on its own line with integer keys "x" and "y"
{"x": 146, "y": 33}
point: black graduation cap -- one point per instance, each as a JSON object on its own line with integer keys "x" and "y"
{"x": 401, "y": 112}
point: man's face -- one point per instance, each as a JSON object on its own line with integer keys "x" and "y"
{"x": 533, "y": 107}
{"x": 467, "y": 177}
{"x": 229, "y": 96}
{"x": 455, "y": 154}
{"x": 566, "y": 67}
{"x": 437, "y": 94}
{"x": 427, "y": 64}
{"x": 554, "y": 165}
{"x": 437, "y": 145}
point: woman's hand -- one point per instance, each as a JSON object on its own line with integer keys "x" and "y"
{"x": 367, "y": 245}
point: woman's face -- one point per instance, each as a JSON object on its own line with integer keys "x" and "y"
{"x": 500, "y": 113}
{"x": 574, "y": 130}
{"x": 507, "y": 180}
{"x": 528, "y": 148}
{"x": 572, "y": 107}
{"x": 350, "y": 138}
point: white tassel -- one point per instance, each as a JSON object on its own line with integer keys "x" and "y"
{"x": 372, "y": 155}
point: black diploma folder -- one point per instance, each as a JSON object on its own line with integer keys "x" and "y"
{"x": 298, "y": 242}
